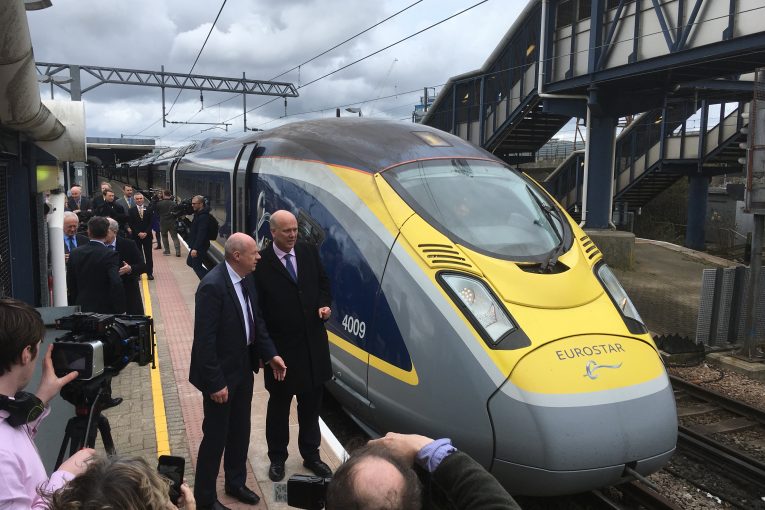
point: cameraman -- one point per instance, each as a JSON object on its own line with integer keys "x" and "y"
{"x": 164, "y": 208}
{"x": 21, "y": 469}
{"x": 119, "y": 483}
{"x": 380, "y": 476}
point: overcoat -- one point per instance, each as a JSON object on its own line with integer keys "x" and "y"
{"x": 291, "y": 314}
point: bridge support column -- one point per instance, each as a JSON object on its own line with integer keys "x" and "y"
{"x": 698, "y": 189}
{"x": 599, "y": 173}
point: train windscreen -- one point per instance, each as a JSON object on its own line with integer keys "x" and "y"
{"x": 482, "y": 205}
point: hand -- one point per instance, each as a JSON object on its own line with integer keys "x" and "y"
{"x": 220, "y": 396}
{"x": 193, "y": 253}
{"x": 50, "y": 383}
{"x": 77, "y": 463}
{"x": 277, "y": 365}
{"x": 142, "y": 235}
{"x": 66, "y": 257}
{"x": 125, "y": 269}
{"x": 187, "y": 501}
{"x": 129, "y": 230}
{"x": 324, "y": 312}
{"x": 403, "y": 446}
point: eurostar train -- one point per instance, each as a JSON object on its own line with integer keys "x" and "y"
{"x": 467, "y": 303}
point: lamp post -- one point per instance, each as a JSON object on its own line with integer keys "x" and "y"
{"x": 354, "y": 110}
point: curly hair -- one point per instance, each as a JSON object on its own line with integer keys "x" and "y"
{"x": 113, "y": 483}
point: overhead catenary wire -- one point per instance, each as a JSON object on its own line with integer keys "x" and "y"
{"x": 487, "y": 74}
{"x": 317, "y": 56}
{"x": 368, "y": 56}
{"x": 199, "y": 54}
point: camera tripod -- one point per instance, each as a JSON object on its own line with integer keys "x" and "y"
{"x": 81, "y": 429}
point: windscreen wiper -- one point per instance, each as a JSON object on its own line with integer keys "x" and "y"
{"x": 552, "y": 256}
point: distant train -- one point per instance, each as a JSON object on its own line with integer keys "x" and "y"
{"x": 467, "y": 303}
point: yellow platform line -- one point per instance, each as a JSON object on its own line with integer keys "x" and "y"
{"x": 160, "y": 418}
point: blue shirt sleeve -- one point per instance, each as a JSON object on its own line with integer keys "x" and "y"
{"x": 431, "y": 455}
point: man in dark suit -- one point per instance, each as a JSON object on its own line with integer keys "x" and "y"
{"x": 198, "y": 241}
{"x": 72, "y": 239}
{"x": 92, "y": 275}
{"x": 131, "y": 269}
{"x": 111, "y": 209}
{"x": 76, "y": 202}
{"x": 230, "y": 340}
{"x": 295, "y": 297}
{"x": 140, "y": 219}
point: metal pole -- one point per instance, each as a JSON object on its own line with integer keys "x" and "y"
{"x": 753, "y": 290}
{"x": 164, "y": 115}
{"x": 244, "y": 100}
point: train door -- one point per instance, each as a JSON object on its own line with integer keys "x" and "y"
{"x": 241, "y": 182}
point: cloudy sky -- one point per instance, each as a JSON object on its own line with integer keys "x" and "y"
{"x": 264, "y": 39}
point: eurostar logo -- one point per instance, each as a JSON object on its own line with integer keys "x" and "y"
{"x": 593, "y": 366}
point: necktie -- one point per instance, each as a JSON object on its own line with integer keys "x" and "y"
{"x": 247, "y": 313}
{"x": 140, "y": 212}
{"x": 70, "y": 242}
{"x": 290, "y": 268}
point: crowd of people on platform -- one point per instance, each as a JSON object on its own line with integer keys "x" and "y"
{"x": 129, "y": 226}
{"x": 245, "y": 320}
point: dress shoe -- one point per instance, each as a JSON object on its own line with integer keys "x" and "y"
{"x": 318, "y": 467}
{"x": 158, "y": 248}
{"x": 177, "y": 254}
{"x": 111, "y": 402}
{"x": 150, "y": 277}
{"x": 215, "y": 506}
{"x": 166, "y": 253}
{"x": 276, "y": 471}
{"x": 243, "y": 494}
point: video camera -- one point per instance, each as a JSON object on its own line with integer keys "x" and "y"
{"x": 99, "y": 346}
{"x": 182, "y": 208}
{"x": 309, "y": 492}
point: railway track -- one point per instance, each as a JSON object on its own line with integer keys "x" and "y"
{"x": 721, "y": 435}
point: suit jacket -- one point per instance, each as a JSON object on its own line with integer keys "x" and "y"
{"x": 220, "y": 355}
{"x": 124, "y": 203}
{"x": 198, "y": 239}
{"x": 291, "y": 313}
{"x": 129, "y": 252}
{"x": 85, "y": 204}
{"x": 164, "y": 209}
{"x": 93, "y": 279}
{"x": 138, "y": 224}
{"x": 112, "y": 210}
{"x": 81, "y": 240}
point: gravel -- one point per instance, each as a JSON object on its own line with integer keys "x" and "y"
{"x": 734, "y": 385}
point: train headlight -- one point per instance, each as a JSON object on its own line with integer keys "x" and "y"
{"x": 620, "y": 298}
{"x": 480, "y": 306}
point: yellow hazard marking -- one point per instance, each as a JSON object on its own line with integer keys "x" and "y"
{"x": 160, "y": 418}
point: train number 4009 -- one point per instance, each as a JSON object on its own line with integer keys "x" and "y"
{"x": 354, "y": 326}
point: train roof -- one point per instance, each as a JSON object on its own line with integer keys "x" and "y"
{"x": 365, "y": 144}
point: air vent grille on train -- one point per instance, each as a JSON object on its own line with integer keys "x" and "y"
{"x": 590, "y": 250}
{"x": 445, "y": 256}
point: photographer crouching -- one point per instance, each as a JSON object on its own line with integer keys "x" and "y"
{"x": 407, "y": 472}
{"x": 21, "y": 469}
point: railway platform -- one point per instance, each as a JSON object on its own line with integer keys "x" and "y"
{"x": 162, "y": 412}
